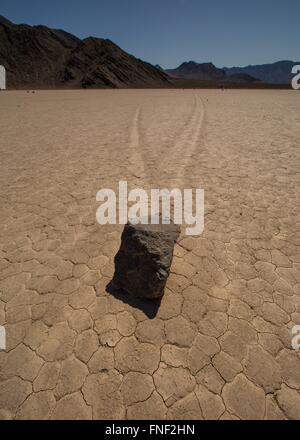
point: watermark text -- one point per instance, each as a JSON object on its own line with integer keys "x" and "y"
{"x": 296, "y": 79}
{"x": 158, "y": 206}
{"x": 296, "y": 338}
{"x": 2, "y": 338}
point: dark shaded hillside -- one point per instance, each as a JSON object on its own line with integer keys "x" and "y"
{"x": 100, "y": 63}
{"x": 36, "y": 56}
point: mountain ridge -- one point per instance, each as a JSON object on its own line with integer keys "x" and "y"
{"x": 191, "y": 70}
{"x": 279, "y": 72}
{"x": 41, "y": 57}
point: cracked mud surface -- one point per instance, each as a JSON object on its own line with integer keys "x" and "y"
{"x": 219, "y": 346}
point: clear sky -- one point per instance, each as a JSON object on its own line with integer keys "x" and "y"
{"x": 168, "y": 32}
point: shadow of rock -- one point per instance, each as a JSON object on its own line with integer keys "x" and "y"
{"x": 149, "y": 307}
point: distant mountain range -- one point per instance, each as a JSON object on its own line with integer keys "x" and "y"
{"x": 37, "y": 56}
{"x": 276, "y": 73}
{"x": 207, "y": 72}
{"x": 40, "y": 57}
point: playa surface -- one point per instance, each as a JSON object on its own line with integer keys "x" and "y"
{"x": 220, "y": 344}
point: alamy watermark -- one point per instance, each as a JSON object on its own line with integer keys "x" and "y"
{"x": 296, "y": 79}
{"x": 2, "y": 78}
{"x": 159, "y": 206}
{"x": 2, "y": 338}
{"x": 296, "y": 338}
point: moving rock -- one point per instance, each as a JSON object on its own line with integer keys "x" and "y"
{"x": 142, "y": 265}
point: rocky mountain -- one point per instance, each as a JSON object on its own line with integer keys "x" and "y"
{"x": 208, "y": 72}
{"x": 37, "y": 56}
{"x": 276, "y": 73}
{"x": 192, "y": 70}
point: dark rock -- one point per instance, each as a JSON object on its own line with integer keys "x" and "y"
{"x": 142, "y": 265}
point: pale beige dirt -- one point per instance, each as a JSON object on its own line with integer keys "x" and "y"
{"x": 220, "y": 344}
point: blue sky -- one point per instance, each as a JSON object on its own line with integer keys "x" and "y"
{"x": 168, "y": 32}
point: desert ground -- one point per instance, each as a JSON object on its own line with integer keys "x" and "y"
{"x": 219, "y": 346}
